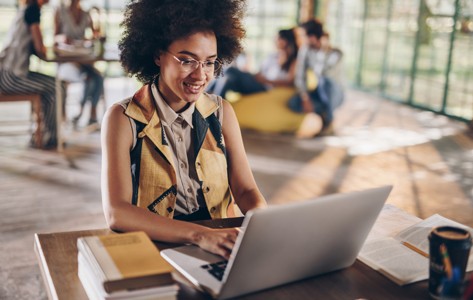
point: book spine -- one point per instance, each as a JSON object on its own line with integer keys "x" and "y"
{"x": 93, "y": 290}
{"x": 100, "y": 259}
{"x": 89, "y": 260}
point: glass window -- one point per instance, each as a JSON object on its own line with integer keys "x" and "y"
{"x": 418, "y": 52}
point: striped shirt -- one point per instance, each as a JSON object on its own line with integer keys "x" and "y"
{"x": 18, "y": 45}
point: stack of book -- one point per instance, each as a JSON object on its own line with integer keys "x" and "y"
{"x": 124, "y": 266}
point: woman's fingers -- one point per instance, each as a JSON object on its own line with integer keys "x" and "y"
{"x": 220, "y": 241}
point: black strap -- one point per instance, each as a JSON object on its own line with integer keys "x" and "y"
{"x": 201, "y": 214}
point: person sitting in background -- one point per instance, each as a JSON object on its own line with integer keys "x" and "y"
{"x": 71, "y": 23}
{"x": 173, "y": 153}
{"x": 318, "y": 56}
{"x": 278, "y": 69}
{"x": 24, "y": 39}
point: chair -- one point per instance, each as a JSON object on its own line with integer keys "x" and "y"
{"x": 277, "y": 117}
{"x": 35, "y": 100}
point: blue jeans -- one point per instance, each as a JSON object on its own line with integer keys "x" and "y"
{"x": 93, "y": 87}
{"x": 237, "y": 81}
{"x": 325, "y": 99}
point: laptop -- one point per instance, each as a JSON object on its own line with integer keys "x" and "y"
{"x": 285, "y": 243}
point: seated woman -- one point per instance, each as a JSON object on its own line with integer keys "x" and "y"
{"x": 269, "y": 91}
{"x": 71, "y": 25}
{"x": 172, "y": 153}
{"x": 278, "y": 69}
{"x": 23, "y": 40}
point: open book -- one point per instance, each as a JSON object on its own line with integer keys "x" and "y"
{"x": 403, "y": 258}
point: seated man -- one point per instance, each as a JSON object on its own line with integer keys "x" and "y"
{"x": 318, "y": 57}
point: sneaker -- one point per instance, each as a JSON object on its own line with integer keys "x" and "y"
{"x": 328, "y": 129}
{"x": 75, "y": 121}
{"x": 50, "y": 145}
{"x": 93, "y": 126}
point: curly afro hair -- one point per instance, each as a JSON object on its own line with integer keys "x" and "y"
{"x": 150, "y": 26}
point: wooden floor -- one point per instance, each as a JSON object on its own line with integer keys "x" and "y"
{"x": 428, "y": 159}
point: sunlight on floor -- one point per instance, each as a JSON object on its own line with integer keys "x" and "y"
{"x": 367, "y": 141}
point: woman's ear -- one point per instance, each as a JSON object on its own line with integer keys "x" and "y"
{"x": 157, "y": 58}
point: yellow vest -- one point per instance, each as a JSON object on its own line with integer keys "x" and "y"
{"x": 153, "y": 170}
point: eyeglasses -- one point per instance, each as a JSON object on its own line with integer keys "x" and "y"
{"x": 190, "y": 64}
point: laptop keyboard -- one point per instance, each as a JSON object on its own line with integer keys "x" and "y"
{"x": 216, "y": 269}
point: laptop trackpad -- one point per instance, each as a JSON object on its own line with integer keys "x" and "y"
{"x": 196, "y": 254}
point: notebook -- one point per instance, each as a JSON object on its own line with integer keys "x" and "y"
{"x": 285, "y": 243}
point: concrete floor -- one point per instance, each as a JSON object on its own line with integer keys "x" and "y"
{"x": 428, "y": 159}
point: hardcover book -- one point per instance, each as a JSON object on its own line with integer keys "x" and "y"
{"x": 125, "y": 261}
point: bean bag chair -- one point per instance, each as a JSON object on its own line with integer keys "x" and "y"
{"x": 266, "y": 111}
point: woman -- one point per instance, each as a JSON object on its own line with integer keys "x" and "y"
{"x": 24, "y": 39}
{"x": 277, "y": 70}
{"x": 173, "y": 153}
{"x": 71, "y": 24}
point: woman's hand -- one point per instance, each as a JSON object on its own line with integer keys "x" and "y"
{"x": 218, "y": 241}
{"x": 307, "y": 105}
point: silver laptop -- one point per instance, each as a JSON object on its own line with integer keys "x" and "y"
{"x": 285, "y": 243}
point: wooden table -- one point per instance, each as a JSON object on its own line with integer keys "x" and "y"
{"x": 108, "y": 56}
{"x": 57, "y": 258}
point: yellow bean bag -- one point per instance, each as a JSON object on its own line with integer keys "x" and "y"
{"x": 267, "y": 111}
